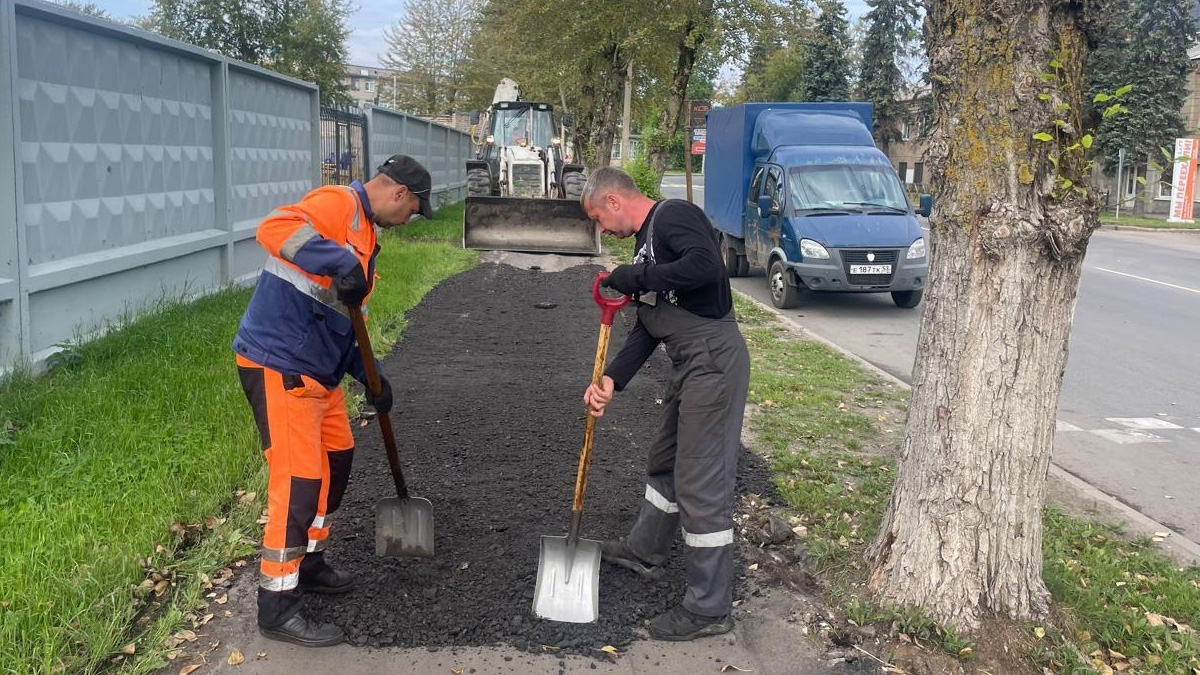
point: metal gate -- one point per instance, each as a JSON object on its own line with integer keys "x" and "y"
{"x": 343, "y": 146}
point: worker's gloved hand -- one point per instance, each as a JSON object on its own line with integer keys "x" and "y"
{"x": 627, "y": 279}
{"x": 352, "y": 286}
{"x": 383, "y": 402}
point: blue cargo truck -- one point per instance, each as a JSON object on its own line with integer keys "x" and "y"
{"x": 800, "y": 190}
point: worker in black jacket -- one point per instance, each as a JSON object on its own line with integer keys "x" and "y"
{"x": 684, "y": 302}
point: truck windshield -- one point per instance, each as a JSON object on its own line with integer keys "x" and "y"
{"x": 852, "y": 187}
{"x": 535, "y": 126}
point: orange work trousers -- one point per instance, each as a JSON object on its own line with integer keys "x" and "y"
{"x": 309, "y": 448}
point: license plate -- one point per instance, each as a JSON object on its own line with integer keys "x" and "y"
{"x": 870, "y": 269}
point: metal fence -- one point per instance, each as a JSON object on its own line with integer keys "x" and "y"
{"x": 135, "y": 168}
{"x": 343, "y": 146}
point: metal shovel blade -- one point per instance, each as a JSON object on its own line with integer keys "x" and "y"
{"x": 404, "y": 528}
{"x": 568, "y": 581}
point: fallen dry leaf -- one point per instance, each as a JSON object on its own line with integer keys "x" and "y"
{"x": 1154, "y": 619}
{"x": 1039, "y": 632}
{"x": 186, "y": 670}
{"x": 248, "y": 497}
{"x": 222, "y": 600}
{"x": 212, "y": 521}
{"x": 610, "y": 650}
{"x": 235, "y": 657}
{"x": 458, "y": 671}
{"x": 187, "y": 635}
{"x": 730, "y": 668}
{"x": 161, "y": 587}
{"x": 550, "y": 649}
{"x": 129, "y": 648}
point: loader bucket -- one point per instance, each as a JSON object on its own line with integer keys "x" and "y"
{"x": 529, "y": 225}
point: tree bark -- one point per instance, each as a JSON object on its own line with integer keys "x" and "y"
{"x": 962, "y": 535}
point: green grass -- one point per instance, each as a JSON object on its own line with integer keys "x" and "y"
{"x": 1141, "y": 221}
{"x": 135, "y": 432}
{"x": 816, "y": 416}
{"x": 830, "y": 430}
{"x": 620, "y": 250}
{"x": 1119, "y": 595}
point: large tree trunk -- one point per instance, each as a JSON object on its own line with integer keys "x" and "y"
{"x": 615, "y": 63}
{"x": 962, "y": 536}
{"x": 691, "y": 37}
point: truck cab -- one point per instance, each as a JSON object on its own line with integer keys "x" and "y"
{"x": 820, "y": 207}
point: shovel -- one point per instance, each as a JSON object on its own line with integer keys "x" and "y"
{"x": 568, "y": 581}
{"x": 403, "y": 526}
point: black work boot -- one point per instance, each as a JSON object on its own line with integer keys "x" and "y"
{"x": 680, "y": 624}
{"x": 617, "y": 551}
{"x": 280, "y": 618}
{"x": 316, "y": 576}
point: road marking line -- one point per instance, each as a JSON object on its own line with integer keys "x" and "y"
{"x": 1060, "y": 425}
{"x": 1143, "y": 423}
{"x": 1127, "y": 436}
{"x": 1152, "y": 281}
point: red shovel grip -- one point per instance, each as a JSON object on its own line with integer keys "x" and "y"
{"x": 608, "y": 306}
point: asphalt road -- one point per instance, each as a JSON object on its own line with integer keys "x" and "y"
{"x": 1129, "y": 411}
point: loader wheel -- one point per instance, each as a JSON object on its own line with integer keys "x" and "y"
{"x": 573, "y": 185}
{"x": 479, "y": 183}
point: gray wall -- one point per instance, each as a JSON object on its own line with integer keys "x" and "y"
{"x": 442, "y": 149}
{"x": 134, "y": 168}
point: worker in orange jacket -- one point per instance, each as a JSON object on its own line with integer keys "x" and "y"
{"x": 293, "y": 347}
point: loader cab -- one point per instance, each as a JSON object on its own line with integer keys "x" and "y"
{"x": 523, "y": 124}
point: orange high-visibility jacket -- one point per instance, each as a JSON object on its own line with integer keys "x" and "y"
{"x": 295, "y": 323}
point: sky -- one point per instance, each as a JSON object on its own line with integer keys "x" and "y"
{"x": 366, "y": 23}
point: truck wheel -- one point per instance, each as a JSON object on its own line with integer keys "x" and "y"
{"x": 743, "y": 266}
{"x": 907, "y": 299}
{"x": 479, "y": 183}
{"x": 573, "y": 183}
{"x": 732, "y": 260}
{"x": 783, "y": 294}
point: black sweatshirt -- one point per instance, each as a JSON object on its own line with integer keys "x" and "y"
{"x": 687, "y": 271}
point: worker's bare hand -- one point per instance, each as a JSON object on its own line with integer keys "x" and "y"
{"x": 597, "y": 396}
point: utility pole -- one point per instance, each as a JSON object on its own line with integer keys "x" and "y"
{"x": 687, "y": 146}
{"x": 625, "y": 123}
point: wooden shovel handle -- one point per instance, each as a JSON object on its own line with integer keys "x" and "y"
{"x": 609, "y": 308}
{"x": 385, "y": 423}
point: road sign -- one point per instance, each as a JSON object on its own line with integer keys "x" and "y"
{"x": 698, "y": 147}
{"x": 698, "y": 112}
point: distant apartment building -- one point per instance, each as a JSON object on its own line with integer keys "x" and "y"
{"x": 363, "y": 83}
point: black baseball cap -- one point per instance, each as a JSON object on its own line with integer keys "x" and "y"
{"x": 408, "y": 172}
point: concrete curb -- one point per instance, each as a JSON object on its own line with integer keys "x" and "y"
{"x": 1139, "y": 228}
{"x": 1102, "y": 508}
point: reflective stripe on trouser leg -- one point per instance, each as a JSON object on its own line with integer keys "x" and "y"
{"x": 658, "y": 522}
{"x": 296, "y": 410}
{"x": 712, "y": 402}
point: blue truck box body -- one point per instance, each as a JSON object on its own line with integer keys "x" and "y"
{"x": 836, "y": 217}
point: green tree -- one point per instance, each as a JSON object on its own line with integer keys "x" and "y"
{"x": 88, "y": 8}
{"x": 300, "y": 38}
{"x": 828, "y": 64}
{"x": 1145, "y": 45}
{"x": 429, "y": 46}
{"x": 891, "y": 28}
